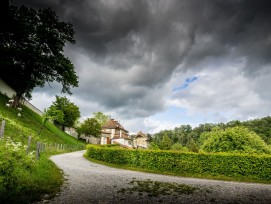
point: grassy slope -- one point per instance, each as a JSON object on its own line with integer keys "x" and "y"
{"x": 19, "y": 128}
{"x": 45, "y": 177}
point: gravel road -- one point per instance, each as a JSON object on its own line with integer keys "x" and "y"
{"x": 88, "y": 182}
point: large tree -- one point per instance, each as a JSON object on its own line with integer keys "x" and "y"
{"x": 90, "y": 127}
{"x": 70, "y": 111}
{"x": 101, "y": 117}
{"x": 31, "y": 47}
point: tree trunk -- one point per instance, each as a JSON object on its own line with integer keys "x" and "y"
{"x": 16, "y": 103}
{"x": 43, "y": 124}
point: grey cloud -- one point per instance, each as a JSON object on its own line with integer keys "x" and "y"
{"x": 140, "y": 44}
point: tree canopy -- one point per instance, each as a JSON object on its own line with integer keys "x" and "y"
{"x": 236, "y": 139}
{"x": 90, "y": 127}
{"x": 31, "y": 47}
{"x": 70, "y": 111}
{"x": 101, "y": 117}
{"x": 51, "y": 114}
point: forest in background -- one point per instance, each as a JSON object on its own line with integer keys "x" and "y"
{"x": 191, "y": 139}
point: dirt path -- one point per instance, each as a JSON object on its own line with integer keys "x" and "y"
{"x": 89, "y": 182}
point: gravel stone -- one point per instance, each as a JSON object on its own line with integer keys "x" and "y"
{"x": 88, "y": 182}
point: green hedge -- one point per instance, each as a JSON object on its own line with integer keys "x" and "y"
{"x": 239, "y": 166}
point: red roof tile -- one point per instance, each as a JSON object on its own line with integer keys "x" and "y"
{"x": 113, "y": 124}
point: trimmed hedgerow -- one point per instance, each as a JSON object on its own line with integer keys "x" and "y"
{"x": 239, "y": 166}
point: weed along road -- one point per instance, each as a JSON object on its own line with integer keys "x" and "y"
{"x": 88, "y": 182}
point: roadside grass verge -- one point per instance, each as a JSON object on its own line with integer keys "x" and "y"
{"x": 46, "y": 180}
{"x": 23, "y": 178}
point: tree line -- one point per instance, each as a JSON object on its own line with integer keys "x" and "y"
{"x": 187, "y": 138}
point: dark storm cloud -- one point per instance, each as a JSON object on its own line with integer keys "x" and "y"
{"x": 144, "y": 42}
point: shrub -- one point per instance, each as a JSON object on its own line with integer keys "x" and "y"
{"x": 165, "y": 143}
{"x": 238, "y": 166}
{"x": 179, "y": 147}
{"x": 15, "y": 169}
{"x": 236, "y": 139}
{"x": 153, "y": 146}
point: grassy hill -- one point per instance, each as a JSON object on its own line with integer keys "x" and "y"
{"x": 19, "y": 128}
{"x": 24, "y": 178}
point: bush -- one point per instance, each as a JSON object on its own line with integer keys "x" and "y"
{"x": 236, "y": 139}
{"x": 179, "y": 147}
{"x": 154, "y": 146}
{"x": 15, "y": 169}
{"x": 237, "y": 166}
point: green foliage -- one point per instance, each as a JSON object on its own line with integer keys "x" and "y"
{"x": 90, "y": 127}
{"x": 51, "y": 114}
{"x": 110, "y": 146}
{"x": 153, "y": 146}
{"x": 20, "y": 128}
{"x": 236, "y": 139}
{"x": 31, "y": 46}
{"x": 70, "y": 111}
{"x": 195, "y": 137}
{"x": 241, "y": 167}
{"x": 179, "y": 147}
{"x": 261, "y": 126}
{"x": 23, "y": 179}
{"x": 165, "y": 143}
{"x": 192, "y": 146}
{"x": 14, "y": 175}
{"x": 101, "y": 117}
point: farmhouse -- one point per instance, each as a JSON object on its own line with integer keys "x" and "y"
{"x": 141, "y": 140}
{"x": 113, "y": 132}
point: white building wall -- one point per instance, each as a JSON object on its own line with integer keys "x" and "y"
{"x": 30, "y": 106}
{"x": 71, "y": 131}
{"x": 6, "y": 89}
{"x": 123, "y": 142}
{"x": 112, "y": 133}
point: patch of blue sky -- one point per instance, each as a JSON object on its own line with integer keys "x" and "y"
{"x": 180, "y": 116}
{"x": 186, "y": 83}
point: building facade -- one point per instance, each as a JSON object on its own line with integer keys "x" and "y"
{"x": 113, "y": 132}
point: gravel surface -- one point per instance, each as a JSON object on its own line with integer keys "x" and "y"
{"x": 88, "y": 182}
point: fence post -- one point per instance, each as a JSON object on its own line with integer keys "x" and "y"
{"x": 28, "y": 145}
{"x": 2, "y": 130}
{"x": 38, "y": 150}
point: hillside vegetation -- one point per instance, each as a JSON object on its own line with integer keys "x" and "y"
{"x": 24, "y": 178}
{"x": 19, "y": 128}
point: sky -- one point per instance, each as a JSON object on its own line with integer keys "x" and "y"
{"x": 159, "y": 64}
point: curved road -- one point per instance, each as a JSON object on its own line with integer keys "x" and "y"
{"x": 88, "y": 182}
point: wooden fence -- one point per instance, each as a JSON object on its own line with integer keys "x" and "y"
{"x": 42, "y": 147}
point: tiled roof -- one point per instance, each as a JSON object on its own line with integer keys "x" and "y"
{"x": 113, "y": 124}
